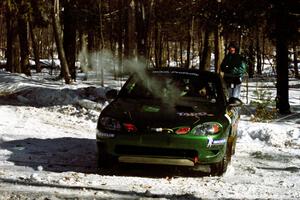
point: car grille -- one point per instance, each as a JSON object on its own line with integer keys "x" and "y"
{"x": 134, "y": 150}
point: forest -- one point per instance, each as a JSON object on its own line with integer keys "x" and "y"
{"x": 157, "y": 33}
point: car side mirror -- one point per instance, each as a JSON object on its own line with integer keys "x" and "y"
{"x": 111, "y": 94}
{"x": 234, "y": 102}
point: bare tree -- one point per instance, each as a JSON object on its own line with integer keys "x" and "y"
{"x": 23, "y": 31}
{"x": 35, "y": 47}
{"x": 12, "y": 51}
{"x": 69, "y": 36}
{"x": 296, "y": 61}
{"x": 59, "y": 43}
{"x": 281, "y": 15}
{"x": 206, "y": 54}
{"x": 130, "y": 28}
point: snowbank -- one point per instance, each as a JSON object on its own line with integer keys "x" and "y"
{"x": 270, "y": 134}
{"x": 42, "y": 92}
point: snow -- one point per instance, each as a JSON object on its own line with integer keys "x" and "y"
{"x": 47, "y": 148}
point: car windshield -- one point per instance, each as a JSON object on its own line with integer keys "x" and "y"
{"x": 170, "y": 86}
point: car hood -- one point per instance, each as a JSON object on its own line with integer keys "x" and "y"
{"x": 146, "y": 113}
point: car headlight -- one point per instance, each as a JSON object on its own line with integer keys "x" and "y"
{"x": 207, "y": 128}
{"x": 110, "y": 124}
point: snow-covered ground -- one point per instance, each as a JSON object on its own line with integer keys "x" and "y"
{"x": 47, "y": 148}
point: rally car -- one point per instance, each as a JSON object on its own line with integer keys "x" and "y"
{"x": 170, "y": 116}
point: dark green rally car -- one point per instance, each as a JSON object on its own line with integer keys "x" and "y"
{"x": 170, "y": 116}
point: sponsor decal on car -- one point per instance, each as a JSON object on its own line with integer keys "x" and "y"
{"x": 194, "y": 114}
{"x": 211, "y": 142}
{"x": 175, "y": 72}
{"x": 105, "y": 135}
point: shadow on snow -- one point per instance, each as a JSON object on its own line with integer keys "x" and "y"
{"x": 79, "y": 155}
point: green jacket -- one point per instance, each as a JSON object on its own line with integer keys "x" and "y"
{"x": 234, "y": 67}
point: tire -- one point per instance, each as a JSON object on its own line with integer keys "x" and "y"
{"x": 104, "y": 160}
{"x": 233, "y": 145}
{"x": 230, "y": 148}
{"x": 220, "y": 168}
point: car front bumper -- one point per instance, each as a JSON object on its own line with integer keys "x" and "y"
{"x": 159, "y": 148}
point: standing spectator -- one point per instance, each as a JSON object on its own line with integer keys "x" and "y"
{"x": 233, "y": 68}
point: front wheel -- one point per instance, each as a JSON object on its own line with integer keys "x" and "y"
{"x": 233, "y": 145}
{"x": 220, "y": 168}
{"x": 104, "y": 160}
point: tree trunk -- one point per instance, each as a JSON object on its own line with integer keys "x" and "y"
{"x": 258, "y": 52}
{"x": 90, "y": 48}
{"x": 200, "y": 49}
{"x": 2, "y": 32}
{"x": 263, "y": 52}
{"x": 24, "y": 46}
{"x": 142, "y": 15}
{"x": 282, "y": 77}
{"x": 218, "y": 41}
{"x": 181, "y": 52}
{"x": 120, "y": 35}
{"x": 218, "y": 44}
{"x": 59, "y": 43}
{"x": 12, "y": 52}
{"x": 102, "y": 45}
{"x": 168, "y": 54}
{"x": 129, "y": 42}
{"x": 193, "y": 48}
{"x": 217, "y": 53}
{"x": 35, "y": 47}
{"x": 296, "y": 61}
{"x": 282, "y": 59}
{"x": 175, "y": 53}
{"x": 69, "y": 38}
{"x": 111, "y": 28}
{"x": 251, "y": 60}
{"x": 189, "y": 41}
{"x": 206, "y": 54}
{"x": 158, "y": 45}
